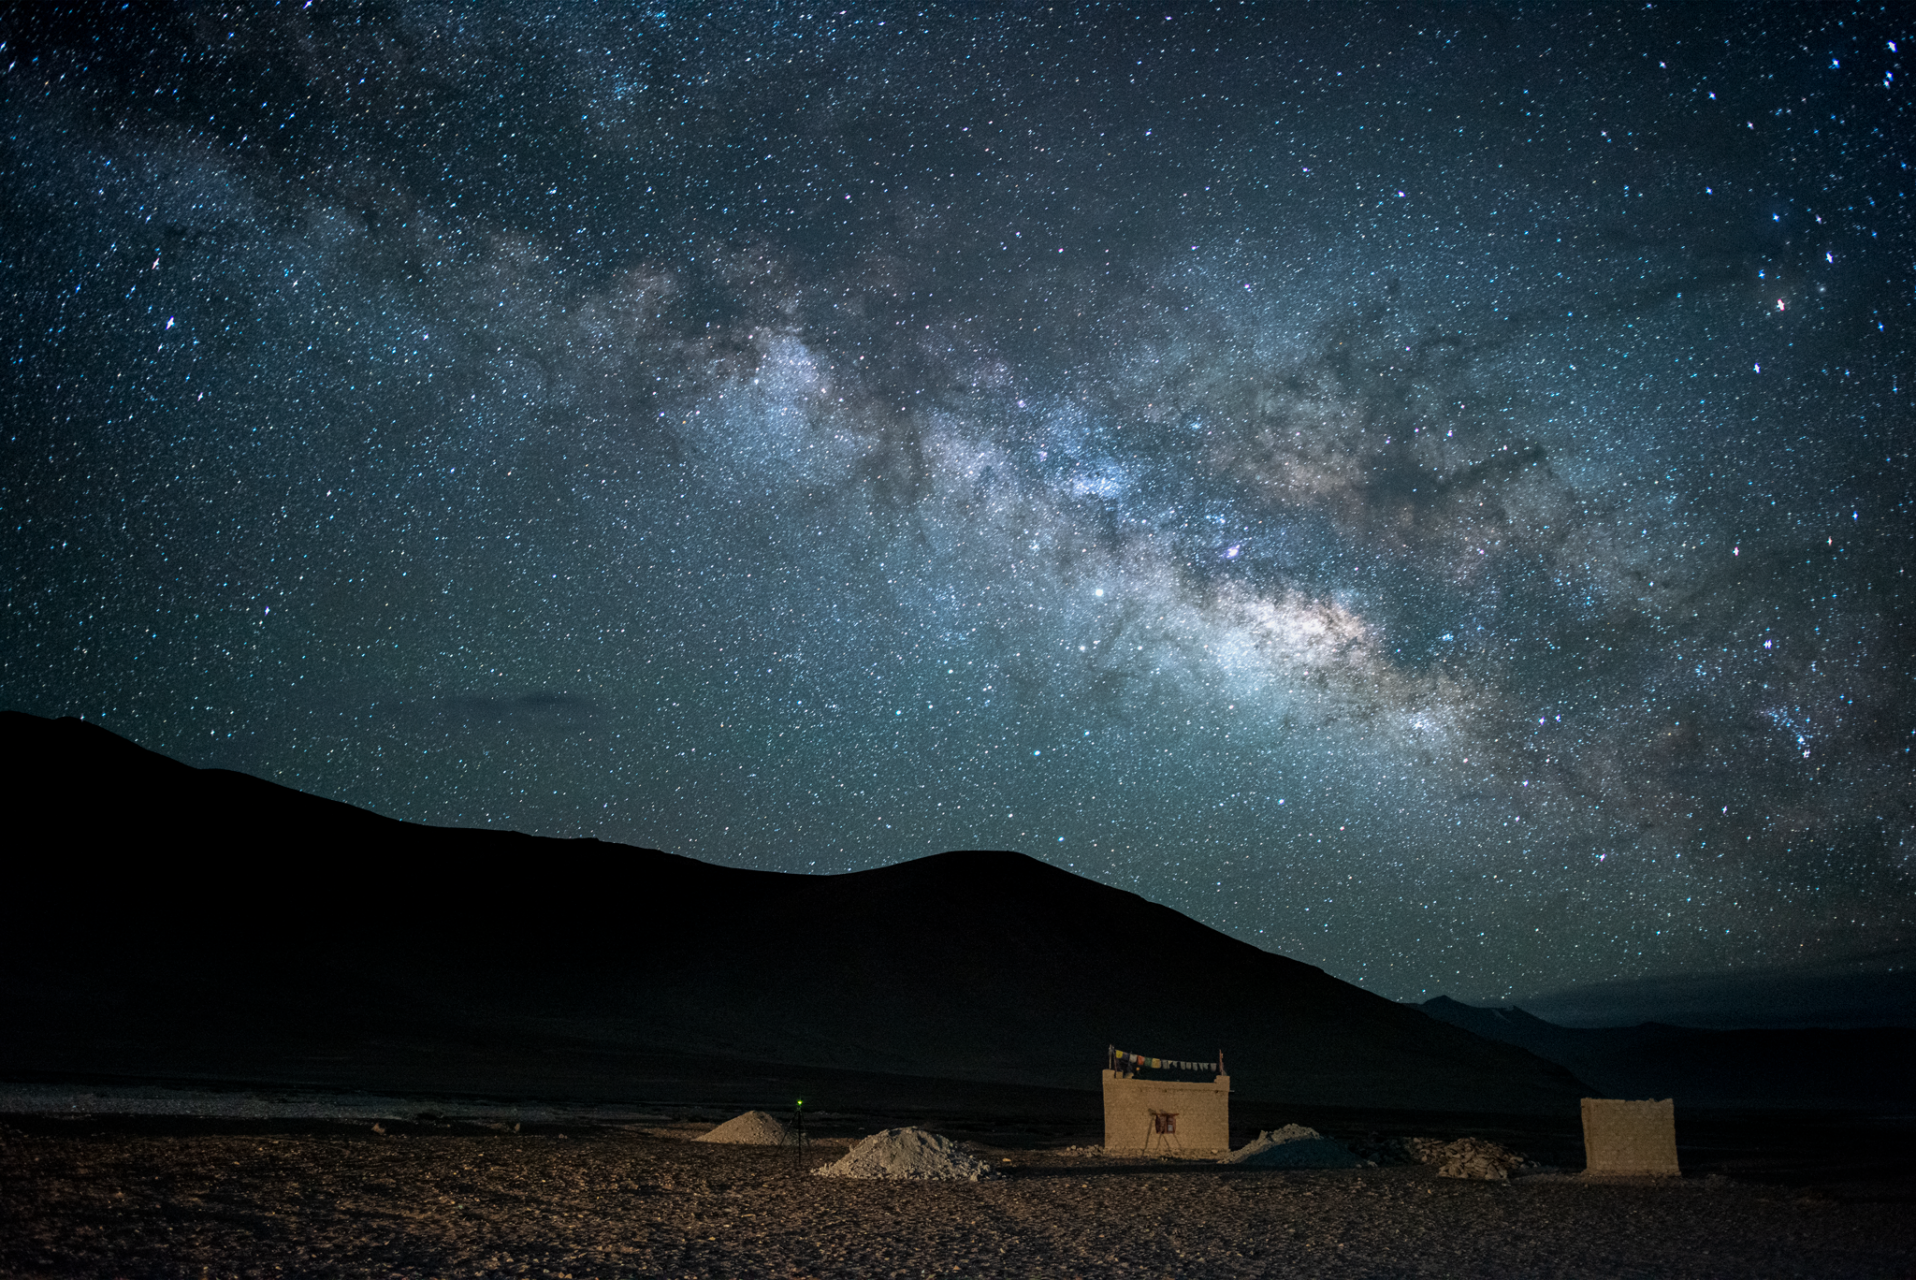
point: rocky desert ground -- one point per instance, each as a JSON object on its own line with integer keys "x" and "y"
{"x": 125, "y": 1197}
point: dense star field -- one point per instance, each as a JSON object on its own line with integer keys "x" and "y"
{"x": 1425, "y": 490}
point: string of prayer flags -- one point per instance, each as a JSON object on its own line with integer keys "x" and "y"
{"x": 1119, "y": 1058}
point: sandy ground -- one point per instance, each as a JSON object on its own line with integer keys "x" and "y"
{"x": 636, "y": 1200}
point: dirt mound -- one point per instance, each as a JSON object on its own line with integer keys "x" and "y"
{"x": 753, "y": 1129}
{"x": 1465, "y": 1158}
{"x": 913, "y": 1154}
{"x": 1293, "y": 1147}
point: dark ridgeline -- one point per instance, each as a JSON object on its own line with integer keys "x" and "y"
{"x": 1803, "y": 1067}
{"x": 169, "y": 922}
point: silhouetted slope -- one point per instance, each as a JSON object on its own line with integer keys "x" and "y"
{"x": 171, "y": 915}
{"x": 1793, "y": 1067}
{"x": 993, "y": 964}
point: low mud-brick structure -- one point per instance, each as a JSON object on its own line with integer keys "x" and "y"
{"x": 1171, "y": 1117}
{"x": 1621, "y": 1136}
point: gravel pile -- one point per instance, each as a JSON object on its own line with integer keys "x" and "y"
{"x": 909, "y": 1154}
{"x": 1466, "y": 1158}
{"x": 753, "y": 1129}
{"x": 1293, "y": 1147}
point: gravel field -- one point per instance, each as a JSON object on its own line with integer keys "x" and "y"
{"x": 631, "y": 1201}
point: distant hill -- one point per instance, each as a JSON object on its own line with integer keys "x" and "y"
{"x": 169, "y": 921}
{"x": 1876, "y": 989}
{"x": 1810, "y": 1068}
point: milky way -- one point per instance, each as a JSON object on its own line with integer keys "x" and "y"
{"x": 1425, "y": 491}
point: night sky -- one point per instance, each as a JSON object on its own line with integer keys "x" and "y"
{"x": 1425, "y": 490}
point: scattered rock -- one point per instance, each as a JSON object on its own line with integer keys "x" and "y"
{"x": 1293, "y": 1147}
{"x": 899, "y": 1154}
{"x": 1382, "y": 1151}
{"x": 753, "y": 1129}
{"x": 1465, "y": 1158}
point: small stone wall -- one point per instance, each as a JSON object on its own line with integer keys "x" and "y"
{"x": 1629, "y": 1137}
{"x": 1202, "y": 1110}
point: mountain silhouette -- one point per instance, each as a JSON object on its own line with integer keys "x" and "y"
{"x": 1800, "y": 1067}
{"x": 166, "y": 921}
